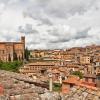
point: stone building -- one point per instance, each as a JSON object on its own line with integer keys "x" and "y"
{"x": 37, "y": 67}
{"x": 85, "y": 59}
{"x": 37, "y": 53}
{"x": 10, "y": 51}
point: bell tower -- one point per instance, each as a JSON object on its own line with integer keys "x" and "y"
{"x": 23, "y": 42}
{"x": 23, "y": 39}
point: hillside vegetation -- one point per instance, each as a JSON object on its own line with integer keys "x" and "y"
{"x": 10, "y": 66}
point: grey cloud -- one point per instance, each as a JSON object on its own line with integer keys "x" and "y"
{"x": 38, "y": 16}
{"x": 27, "y": 29}
{"x": 43, "y": 31}
{"x": 33, "y": 42}
{"x": 63, "y": 8}
{"x": 59, "y": 40}
{"x": 82, "y": 34}
{"x": 73, "y": 13}
{"x": 46, "y": 21}
{"x": 66, "y": 38}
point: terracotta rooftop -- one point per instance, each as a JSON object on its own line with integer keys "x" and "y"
{"x": 72, "y": 80}
{"x": 77, "y": 82}
{"x": 82, "y": 93}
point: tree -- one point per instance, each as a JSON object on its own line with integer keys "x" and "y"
{"x": 27, "y": 53}
{"x": 11, "y": 66}
{"x": 78, "y": 73}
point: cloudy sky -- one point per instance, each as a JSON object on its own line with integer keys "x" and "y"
{"x": 50, "y": 24}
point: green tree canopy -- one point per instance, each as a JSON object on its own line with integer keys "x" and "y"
{"x": 10, "y": 66}
{"x": 78, "y": 73}
{"x": 27, "y": 54}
